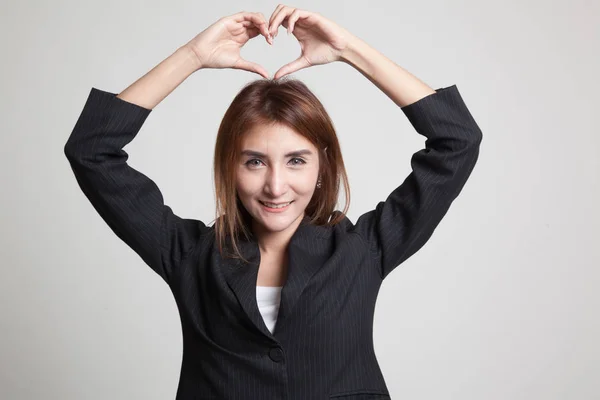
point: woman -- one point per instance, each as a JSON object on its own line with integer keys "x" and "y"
{"x": 317, "y": 272}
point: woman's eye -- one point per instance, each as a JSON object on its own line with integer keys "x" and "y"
{"x": 249, "y": 162}
{"x": 302, "y": 161}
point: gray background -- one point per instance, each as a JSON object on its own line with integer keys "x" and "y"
{"x": 501, "y": 303}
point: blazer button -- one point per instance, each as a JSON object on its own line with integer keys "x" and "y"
{"x": 276, "y": 354}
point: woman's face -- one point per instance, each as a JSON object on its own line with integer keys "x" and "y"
{"x": 268, "y": 172}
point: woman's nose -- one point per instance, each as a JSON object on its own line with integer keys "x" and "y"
{"x": 276, "y": 182}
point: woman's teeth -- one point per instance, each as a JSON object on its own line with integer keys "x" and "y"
{"x": 271, "y": 205}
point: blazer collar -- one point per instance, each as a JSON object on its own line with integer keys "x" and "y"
{"x": 308, "y": 250}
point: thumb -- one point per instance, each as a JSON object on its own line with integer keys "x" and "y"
{"x": 250, "y": 66}
{"x": 292, "y": 67}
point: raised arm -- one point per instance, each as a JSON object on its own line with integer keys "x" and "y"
{"x": 126, "y": 199}
{"x": 402, "y": 224}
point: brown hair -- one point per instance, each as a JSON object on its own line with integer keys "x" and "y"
{"x": 291, "y": 103}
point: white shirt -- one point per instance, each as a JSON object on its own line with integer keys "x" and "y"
{"x": 268, "y": 299}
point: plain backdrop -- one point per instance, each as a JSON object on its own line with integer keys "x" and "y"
{"x": 501, "y": 303}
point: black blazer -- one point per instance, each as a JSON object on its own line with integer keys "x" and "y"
{"x": 322, "y": 344}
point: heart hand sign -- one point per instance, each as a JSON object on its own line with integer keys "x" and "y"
{"x": 321, "y": 40}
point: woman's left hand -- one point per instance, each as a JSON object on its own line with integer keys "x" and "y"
{"x": 322, "y": 41}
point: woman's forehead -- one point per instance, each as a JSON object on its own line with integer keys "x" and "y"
{"x": 274, "y": 138}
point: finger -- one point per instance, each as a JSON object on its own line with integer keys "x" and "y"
{"x": 280, "y": 18}
{"x": 258, "y": 20}
{"x": 292, "y": 20}
{"x": 261, "y": 22}
{"x": 292, "y": 67}
{"x": 264, "y": 24}
{"x": 281, "y": 15}
{"x": 250, "y": 30}
{"x": 277, "y": 9}
{"x": 250, "y": 66}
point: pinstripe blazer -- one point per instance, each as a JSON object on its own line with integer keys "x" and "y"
{"x": 322, "y": 344}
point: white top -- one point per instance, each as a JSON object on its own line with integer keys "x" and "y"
{"x": 268, "y": 299}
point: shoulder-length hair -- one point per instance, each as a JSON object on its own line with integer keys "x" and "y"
{"x": 263, "y": 102}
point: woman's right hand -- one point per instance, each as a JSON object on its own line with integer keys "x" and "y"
{"x": 218, "y": 46}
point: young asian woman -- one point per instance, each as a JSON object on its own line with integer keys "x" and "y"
{"x": 275, "y": 303}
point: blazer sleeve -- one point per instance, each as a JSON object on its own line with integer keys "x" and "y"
{"x": 399, "y": 226}
{"x": 126, "y": 199}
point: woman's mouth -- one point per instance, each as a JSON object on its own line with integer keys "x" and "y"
{"x": 274, "y": 207}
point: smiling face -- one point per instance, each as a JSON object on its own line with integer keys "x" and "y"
{"x": 277, "y": 165}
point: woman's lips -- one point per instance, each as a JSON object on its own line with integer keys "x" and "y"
{"x": 277, "y": 204}
{"x": 275, "y": 210}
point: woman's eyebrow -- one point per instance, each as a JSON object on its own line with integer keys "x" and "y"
{"x": 296, "y": 153}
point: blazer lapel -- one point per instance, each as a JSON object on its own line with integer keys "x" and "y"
{"x": 308, "y": 250}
